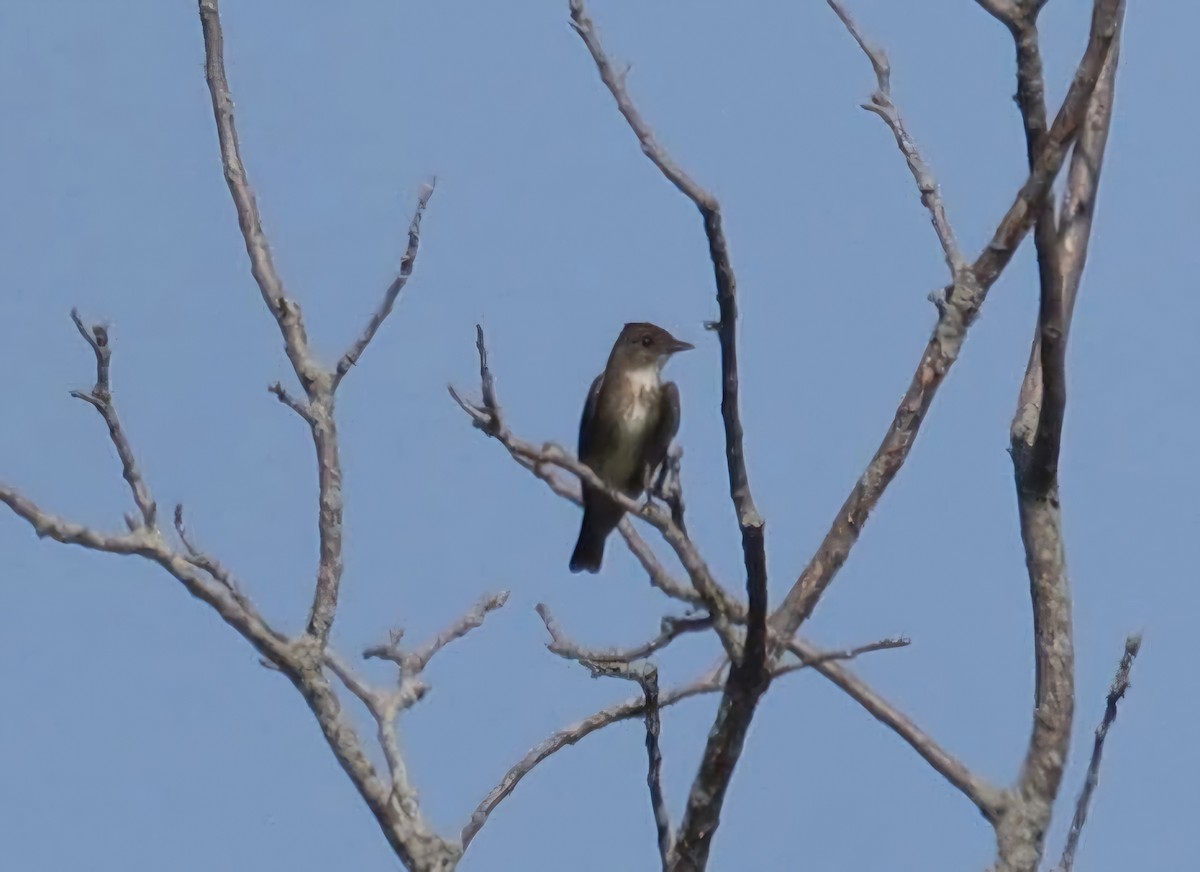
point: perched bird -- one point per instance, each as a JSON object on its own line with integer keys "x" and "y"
{"x": 628, "y": 422}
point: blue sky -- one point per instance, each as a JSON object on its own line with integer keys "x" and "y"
{"x": 141, "y": 734}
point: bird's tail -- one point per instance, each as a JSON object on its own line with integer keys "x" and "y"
{"x": 600, "y": 517}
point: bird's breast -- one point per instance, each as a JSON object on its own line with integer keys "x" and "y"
{"x": 640, "y": 403}
{"x": 634, "y": 414}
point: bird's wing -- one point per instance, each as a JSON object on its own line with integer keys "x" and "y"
{"x": 589, "y": 414}
{"x": 668, "y": 426}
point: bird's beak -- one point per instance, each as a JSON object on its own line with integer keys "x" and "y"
{"x": 677, "y": 345}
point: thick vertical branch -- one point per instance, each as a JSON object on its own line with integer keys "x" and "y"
{"x": 317, "y": 382}
{"x": 286, "y": 312}
{"x": 749, "y": 520}
{"x": 956, "y": 313}
{"x": 1083, "y": 183}
{"x": 329, "y": 520}
{"x": 1020, "y": 831}
{"x": 1031, "y": 100}
{"x": 749, "y": 677}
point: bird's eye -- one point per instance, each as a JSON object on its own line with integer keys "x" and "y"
{"x": 647, "y": 340}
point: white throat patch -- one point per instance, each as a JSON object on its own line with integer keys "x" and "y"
{"x": 643, "y": 380}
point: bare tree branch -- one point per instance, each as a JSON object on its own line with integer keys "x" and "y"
{"x": 415, "y": 662}
{"x": 1083, "y": 182}
{"x": 352, "y": 680}
{"x": 668, "y": 487}
{"x": 1002, "y": 10}
{"x": 1020, "y": 831}
{"x": 204, "y": 578}
{"x": 672, "y": 628}
{"x": 991, "y": 262}
{"x": 1031, "y": 99}
{"x": 301, "y": 662}
{"x": 101, "y": 400}
{"x": 749, "y": 676}
{"x": 298, "y": 406}
{"x": 658, "y": 574}
{"x": 317, "y": 382}
{"x": 986, "y": 797}
{"x": 711, "y": 682}
{"x": 393, "y": 806}
{"x": 385, "y": 705}
{"x": 630, "y": 664}
{"x": 648, "y": 678}
{"x": 202, "y": 560}
{"x": 881, "y": 104}
{"x": 1020, "y": 815}
{"x": 955, "y": 315}
{"x": 749, "y": 520}
{"x": 1133, "y": 645}
{"x": 1011, "y": 12}
{"x": 286, "y": 312}
{"x": 350, "y": 358}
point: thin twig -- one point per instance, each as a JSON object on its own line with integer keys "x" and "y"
{"x": 202, "y": 560}
{"x": 300, "y": 407}
{"x": 150, "y": 545}
{"x": 711, "y": 682}
{"x": 986, "y": 797}
{"x": 415, "y": 662}
{"x": 384, "y": 706}
{"x": 1133, "y": 645}
{"x": 672, "y": 628}
{"x": 350, "y": 358}
{"x": 353, "y": 682}
{"x": 465, "y": 624}
{"x": 487, "y": 381}
{"x": 881, "y": 104}
{"x": 668, "y": 486}
{"x": 648, "y": 678}
{"x": 630, "y": 664}
{"x": 101, "y": 400}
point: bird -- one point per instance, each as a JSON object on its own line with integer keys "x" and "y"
{"x": 630, "y": 417}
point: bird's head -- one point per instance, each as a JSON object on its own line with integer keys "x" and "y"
{"x": 643, "y": 344}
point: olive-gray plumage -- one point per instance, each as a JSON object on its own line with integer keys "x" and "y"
{"x": 630, "y": 417}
